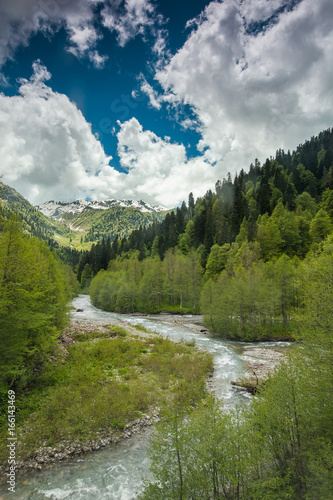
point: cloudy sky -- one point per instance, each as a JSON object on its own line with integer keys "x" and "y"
{"x": 152, "y": 99}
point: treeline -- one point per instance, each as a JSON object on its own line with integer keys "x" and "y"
{"x": 280, "y": 447}
{"x": 35, "y": 289}
{"x": 150, "y": 285}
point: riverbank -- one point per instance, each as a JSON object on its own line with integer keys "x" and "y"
{"x": 46, "y": 456}
{"x": 104, "y": 383}
{"x": 260, "y": 363}
{"x": 256, "y": 358}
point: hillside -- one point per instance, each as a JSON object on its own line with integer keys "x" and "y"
{"x": 234, "y": 255}
{"x": 34, "y": 222}
{"x": 93, "y": 221}
{"x": 80, "y": 223}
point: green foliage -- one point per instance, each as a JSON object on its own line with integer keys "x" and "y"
{"x": 34, "y": 294}
{"x": 316, "y": 296}
{"x": 280, "y": 447}
{"x": 86, "y": 276}
{"x": 321, "y": 226}
{"x": 253, "y": 303}
{"x": 151, "y": 285}
{"x": 217, "y": 259}
{"x": 112, "y": 381}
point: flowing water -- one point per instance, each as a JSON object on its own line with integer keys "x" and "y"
{"x": 116, "y": 472}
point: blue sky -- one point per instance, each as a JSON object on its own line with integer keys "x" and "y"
{"x": 150, "y": 100}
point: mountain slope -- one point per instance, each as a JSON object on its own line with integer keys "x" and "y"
{"x": 92, "y": 221}
{"x": 80, "y": 223}
{"x": 116, "y": 221}
{"x": 34, "y": 222}
{"x": 57, "y": 209}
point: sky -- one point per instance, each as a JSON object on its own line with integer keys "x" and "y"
{"x": 154, "y": 99}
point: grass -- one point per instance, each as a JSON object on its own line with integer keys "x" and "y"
{"x": 103, "y": 384}
{"x": 113, "y": 331}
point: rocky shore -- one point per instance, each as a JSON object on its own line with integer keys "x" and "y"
{"x": 260, "y": 362}
{"x": 46, "y": 455}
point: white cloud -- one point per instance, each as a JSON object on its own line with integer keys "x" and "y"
{"x": 130, "y": 20}
{"x": 261, "y": 10}
{"x": 48, "y": 152}
{"x": 154, "y": 99}
{"x": 46, "y": 146}
{"x": 253, "y": 93}
{"x": 82, "y": 38}
{"x": 158, "y": 169}
{"x": 20, "y": 19}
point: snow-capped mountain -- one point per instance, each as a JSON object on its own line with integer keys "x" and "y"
{"x": 55, "y": 209}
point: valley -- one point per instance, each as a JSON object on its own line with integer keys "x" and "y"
{"x": 251, "y": 260}
{"x": 79, "y": 224}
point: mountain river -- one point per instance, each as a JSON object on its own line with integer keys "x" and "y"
{"x": 116, "y": 472}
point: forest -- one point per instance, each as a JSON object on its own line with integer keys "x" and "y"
{"x": 35, "y": 290}
{"x": 237, "y": 255}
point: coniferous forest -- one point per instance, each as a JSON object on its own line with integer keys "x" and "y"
{"x": 255, "y": 258}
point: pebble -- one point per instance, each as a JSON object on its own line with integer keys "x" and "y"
{"x": 48, "y": 455}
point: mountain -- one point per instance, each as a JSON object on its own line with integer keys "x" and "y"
{"x": 34, "y": 222}
{"x": 56, "y": 209}
{"x": 78, "y": 224}
{"x": 93, "y": 221}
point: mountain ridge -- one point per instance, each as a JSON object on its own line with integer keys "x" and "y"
{"x": 80, "y": 223}
{"x": 55, "y": 209}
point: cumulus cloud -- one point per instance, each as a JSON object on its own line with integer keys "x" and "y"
{"x": 46, "y": 146}
{"x": 48, "y": 151}
{"x": 254, "y": 91}
{"x": 159, "y": 168}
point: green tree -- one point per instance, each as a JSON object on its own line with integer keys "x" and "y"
{"x": 34, "y": 292}
{"x": 327, "y": 202}
{"x": 151, "y": 285}
{"x": 269, "y": 237}
{"x": 321, "y": 226}
{"x": 217, "y": 259}
{"x": 86, "y": 276}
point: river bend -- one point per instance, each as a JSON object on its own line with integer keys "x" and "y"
{"x": 116, "y": 472}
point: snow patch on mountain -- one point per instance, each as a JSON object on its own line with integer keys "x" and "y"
{"x": 55, "y": 209}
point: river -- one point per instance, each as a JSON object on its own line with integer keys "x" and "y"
{"x": 116, "y": 472}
